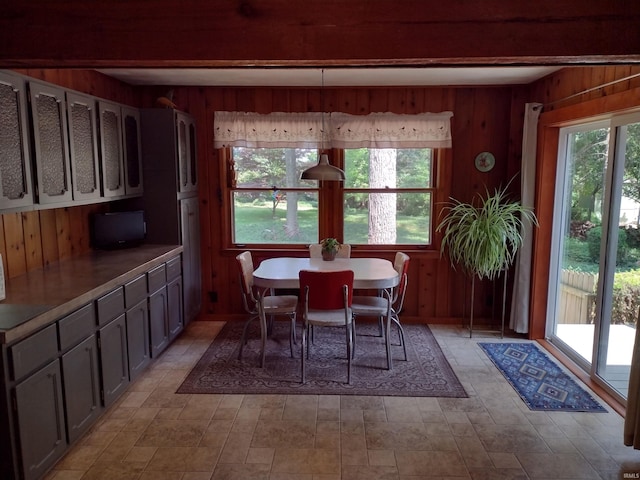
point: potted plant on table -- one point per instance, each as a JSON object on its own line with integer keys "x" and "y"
{"x": 330, "y": 247}
{"x": 484, "y": 236}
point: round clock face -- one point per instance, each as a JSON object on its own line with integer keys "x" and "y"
{"x": 485, "y": 161}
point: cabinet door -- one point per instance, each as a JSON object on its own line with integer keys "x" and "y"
{"x": 15, "y": 159}
{"x": 81, "y": 387}
{"x": 187, "y": 159}
{"x": 111, "y": 155}
{"x": 83, "y": 146}
{"x": 113, "y": 359}
{"x": 53, "y": 173}
{"x": 158, "y": 321}
{"x": 138, "y": 339}
{"x": 190, "y": 228}
{"x": 174, "y": 307}
{"x": 132, "y": 151}
{"x": 40, "y": 418}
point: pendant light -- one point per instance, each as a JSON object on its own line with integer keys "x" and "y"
{"x": 323, "y": 170}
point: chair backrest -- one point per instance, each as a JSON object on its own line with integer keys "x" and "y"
{"x": 245, "y": 267}
{"x": 326, "y": 290}
{"x": 401, "y": 265}
{"x": 315, "y": 251}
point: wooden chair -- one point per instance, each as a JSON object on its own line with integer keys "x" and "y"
{"x": 260, "y": 306}
{"x": 327, "y": 303}
{"x": 387, "y": 306}
{"x": 315, "y": 251}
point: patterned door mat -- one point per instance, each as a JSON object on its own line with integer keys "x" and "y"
{"x": 539, "y": 381}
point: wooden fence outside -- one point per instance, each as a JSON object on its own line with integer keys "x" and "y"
{"x": 577, "y": 297}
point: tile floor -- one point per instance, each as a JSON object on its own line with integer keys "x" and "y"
{"x": 154, "y": 434}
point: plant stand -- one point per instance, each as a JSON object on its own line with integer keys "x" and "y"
{"x": 504, "y": 301}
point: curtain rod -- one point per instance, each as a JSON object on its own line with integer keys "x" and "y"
{"x": 613, "y": 82}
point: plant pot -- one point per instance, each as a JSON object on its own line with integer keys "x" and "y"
{"x": 329, "y": 255}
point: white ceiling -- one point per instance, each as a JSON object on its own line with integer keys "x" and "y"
{"x": 333, "y": 77}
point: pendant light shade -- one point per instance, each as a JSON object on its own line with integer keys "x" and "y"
{"x": 323, "y": 171}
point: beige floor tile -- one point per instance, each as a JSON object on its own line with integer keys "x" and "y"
{"x": 261, "y": 455}
{"x": 183, "y": 459}
{"x": 556, "y": 465}
{"x": 306, "y": 460}
{"x": 382, "y": 457}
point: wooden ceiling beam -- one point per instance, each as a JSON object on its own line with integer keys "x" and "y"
{"x": 224, "y": 33}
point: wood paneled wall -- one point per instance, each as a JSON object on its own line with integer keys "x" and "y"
{"x": 484, "y": 119}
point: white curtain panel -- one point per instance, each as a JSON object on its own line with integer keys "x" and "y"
{"x": 519, "y": 320}
{"x": 341, "y": 130}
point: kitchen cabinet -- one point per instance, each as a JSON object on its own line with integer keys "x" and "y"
{"x": 41, "y": 421}
{"x": 114, "y": 360}
{"x": 81, "y": 374}
{"x": 132, "y": 151}
{"x": 16, "y": 188}
{"x": 137, "y": 315}
{"x": 51, "y": 145}
{"x": 170, "y": 196}
{"x": 56, "y": 380}
{"x": 174, "y": 307}
{"x": 120, "y": 150}
{"x": 187, "y": 158}
{"x": 111, "y": 155}
{"x": 83, "y": 146}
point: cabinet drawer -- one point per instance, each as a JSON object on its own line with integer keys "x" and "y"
{"x": 174, "y": 268}
{"x": 135, "y": 291}
{"x": 76, "y": 326}
{"x": 157, "y": 278}
{"x": 34, "y": 351}
{"x": 110, "y": 306}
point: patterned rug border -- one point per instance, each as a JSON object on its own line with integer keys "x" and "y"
{"x": 427, "y": 373}
{"x": 580, "y": 401}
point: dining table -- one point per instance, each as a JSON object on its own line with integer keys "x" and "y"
{"x": 283, "y": 273}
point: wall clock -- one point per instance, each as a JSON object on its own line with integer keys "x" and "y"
{"x": 485, "y": 161}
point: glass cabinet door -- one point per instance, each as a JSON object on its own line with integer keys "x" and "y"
{"x": 83, "y": 145}
{"x": 15, "y": 172}
{"x": 132, "y": 153}
{"x": 50, "y": 142}
{"x": 111, "y": 157}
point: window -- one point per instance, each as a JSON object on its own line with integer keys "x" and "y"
{"x": 389, "y": 162}
{"x": 269, "y": 201}
{"x": 388, "y": 196}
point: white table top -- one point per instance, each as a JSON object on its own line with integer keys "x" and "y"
{"x": 282, "y": 272}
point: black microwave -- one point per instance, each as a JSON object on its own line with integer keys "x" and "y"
{"x": 117, "y": 229}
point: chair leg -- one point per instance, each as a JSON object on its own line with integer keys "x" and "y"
{"x": 387, "y": 342}
{"x": 401, "y": 336}
{"x": 303, "y": 342}
{"x": 350, "y": 335}
{"x": 292, "y": 334}
{"x": 263, "y": 338}
{"x": 243, "y": 339}
{"x": 353, "y": 336}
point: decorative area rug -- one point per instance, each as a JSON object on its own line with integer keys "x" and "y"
{"x": 427, "y": 373}
{"x": 539, "y": 381}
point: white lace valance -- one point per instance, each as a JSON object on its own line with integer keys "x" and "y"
{"x": 304, "y": 130}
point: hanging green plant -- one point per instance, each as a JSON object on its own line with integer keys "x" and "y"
{"x": 484, "y": 238}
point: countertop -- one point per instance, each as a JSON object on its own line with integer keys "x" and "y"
{"x": 42, "y": 296}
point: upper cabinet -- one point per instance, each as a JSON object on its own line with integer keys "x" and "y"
{"x": 59, "y": 147}
{"x": 83, "y": 144}
{"x": 187, "y": 159}
{"x": 132, "y": 149}
{"x": 51, "y": 146}
{"x": 111, "y": 156}
{"x": 15, "y": 160}
{"x": 120, "y": 150}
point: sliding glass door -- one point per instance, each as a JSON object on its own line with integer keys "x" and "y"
{"x": 595, "y": 266}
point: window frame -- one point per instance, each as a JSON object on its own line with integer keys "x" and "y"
{"x": 329, "y": 194}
